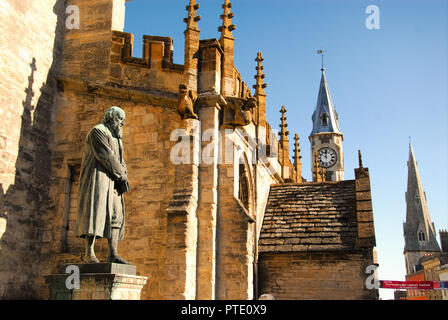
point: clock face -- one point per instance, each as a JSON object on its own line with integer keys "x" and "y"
{"x": 327, "y": 157}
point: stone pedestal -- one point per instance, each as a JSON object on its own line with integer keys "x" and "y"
{"x": 96, "y": 281}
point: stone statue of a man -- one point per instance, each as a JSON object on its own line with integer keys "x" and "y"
{"x": 103, "y": 180}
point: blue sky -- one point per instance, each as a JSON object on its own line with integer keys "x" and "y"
{"x": 386, "y": 84}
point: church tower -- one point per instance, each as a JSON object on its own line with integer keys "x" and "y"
{"x": 419, "y": 231}
{"x": 326, "y": 138}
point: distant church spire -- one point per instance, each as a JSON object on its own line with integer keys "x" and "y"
{"x": 419, "y": 231}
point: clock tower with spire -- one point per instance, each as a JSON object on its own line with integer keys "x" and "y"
{"x": 326, "y": 138}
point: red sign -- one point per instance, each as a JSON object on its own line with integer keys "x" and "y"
{"x": 419, "y": 285}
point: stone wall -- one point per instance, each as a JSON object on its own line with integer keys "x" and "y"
{"x": 225, "y": 242}
{"x": 238, "y": 224}
{"x": 146, "y": 138}
{"x": 235, "y": 229}
{"x": 187, "y": 230}
{"x": 90, "y": 83}
{"x": 31, "y": 33}
{"x": 315, "y": 276}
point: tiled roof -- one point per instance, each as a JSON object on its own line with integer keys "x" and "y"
{"x": 310, "y": 217}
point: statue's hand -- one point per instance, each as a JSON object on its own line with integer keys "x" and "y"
{"x": 122, "y": 185}
{"x": 123, "y": 178}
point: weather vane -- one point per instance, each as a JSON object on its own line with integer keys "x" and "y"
{"x": 321, "y": 52}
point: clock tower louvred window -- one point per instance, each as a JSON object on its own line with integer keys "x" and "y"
{"x": 324, "y": 119}
{"x": 421, "y": 236}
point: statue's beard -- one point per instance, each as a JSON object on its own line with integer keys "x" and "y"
{"x": 117, "y": 130}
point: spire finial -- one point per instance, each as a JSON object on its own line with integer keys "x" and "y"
{"x": 360, "y": 158}
{"x": 227, "y": 27}
{"x": 296, "y": 141}
{"x": 411, "y": 150}
{"x": 193, "y": 18}
{"x": 283, "y": 132}
{"x": 321, "y": 52}
{"x": 259, "y": 77}
{"x": 284, "y": 146}
{"x": 297, "y": 157}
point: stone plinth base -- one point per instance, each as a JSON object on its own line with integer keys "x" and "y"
{"x": 97, "y": 281}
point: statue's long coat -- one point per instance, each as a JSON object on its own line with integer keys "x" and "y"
{"x": 102, "y": 164}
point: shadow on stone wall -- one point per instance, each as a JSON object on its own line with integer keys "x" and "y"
{"x": 24, "y": 205}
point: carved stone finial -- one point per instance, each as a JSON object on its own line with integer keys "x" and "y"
{"x": 283, "y": 132}
{"x": 227, "y": 27}
{"x": 193, "y": 18}
{"x": 187, "y": 98}
{"x": 315, "y": 167}
{"x": 297, "y": 157}
{"x": 360, "y": 159}
{"x": 323, "y": 176}
{"x": 259, "y": 77}
{"x": 319, "y": 173}
{"x": 283, "y": 110}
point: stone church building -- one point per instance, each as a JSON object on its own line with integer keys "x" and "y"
{"x": 217, "y": 210}
{"x": 418, "y": 230}
{"x": 424, "y": 259}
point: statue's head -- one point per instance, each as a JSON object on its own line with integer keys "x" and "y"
{"x": 114, "y": 118}
{"x": 183, "y": 89}
{"x": 241, "y": 110}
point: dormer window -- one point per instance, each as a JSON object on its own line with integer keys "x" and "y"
{"x": 324, "y": 119}
{"x": 421, "y": 236}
